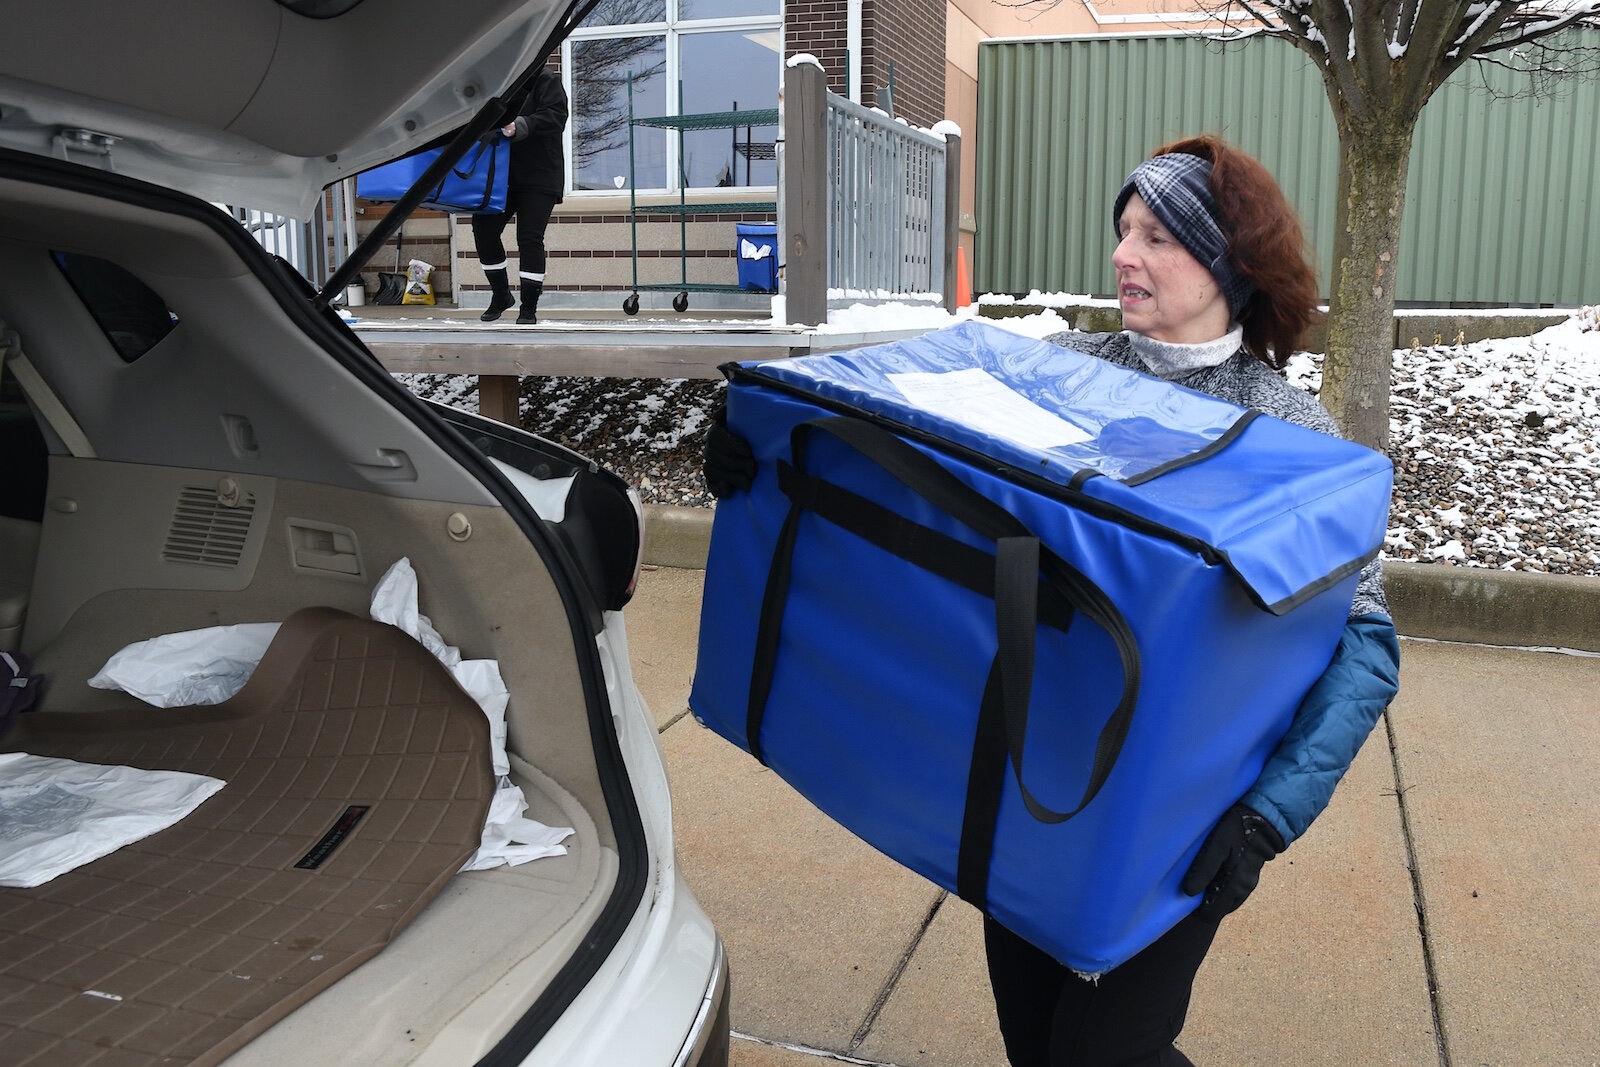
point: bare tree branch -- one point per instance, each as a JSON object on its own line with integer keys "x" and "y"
{"x": 1380, "y": 62}
{"x": 1478, "y": 30}
{"x": 599, "y": 96}
{"x": 1272, "y": 22}
{"x": 1405, "y": 23}
{"x": 1530, "y": 27}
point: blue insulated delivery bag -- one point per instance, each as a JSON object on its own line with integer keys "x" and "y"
{"x": 1023, "y": 620}
{"x": 476, "y": 185}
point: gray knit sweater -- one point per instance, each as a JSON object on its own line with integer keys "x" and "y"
{"x": 1244, "y": 380}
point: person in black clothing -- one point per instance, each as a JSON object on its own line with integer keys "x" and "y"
{"x": 533, "y": 189}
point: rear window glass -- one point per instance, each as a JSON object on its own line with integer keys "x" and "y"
{"x": 133, "y": 317}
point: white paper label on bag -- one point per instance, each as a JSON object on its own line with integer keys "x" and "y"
{"x": 976, "y": 398}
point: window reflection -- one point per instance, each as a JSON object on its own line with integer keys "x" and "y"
{"x": 600, "y": 112}
{"x": 730, "y": 72}
{"x": 713, "y": 70}
{"x": 625, "y": 12}
{"x": 718, "y": 9}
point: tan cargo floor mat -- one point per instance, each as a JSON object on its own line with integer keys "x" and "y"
{"x": 359, "y": 776}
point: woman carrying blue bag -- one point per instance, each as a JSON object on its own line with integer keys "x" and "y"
{"x": 1216, "y": 293}
{"x": 534, "y": 187}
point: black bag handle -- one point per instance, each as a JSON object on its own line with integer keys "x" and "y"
{"x": 472, "y": 167}
{"x": 477, "y": 157}
{"x": 1018, "y": 564}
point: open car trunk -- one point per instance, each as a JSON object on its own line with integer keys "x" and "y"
{"x": 251, "y": 463}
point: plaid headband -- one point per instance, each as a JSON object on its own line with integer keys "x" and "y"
{"x": 1177, "y": 189}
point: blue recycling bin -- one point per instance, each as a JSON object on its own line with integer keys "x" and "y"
{"x": 757, "y": 244}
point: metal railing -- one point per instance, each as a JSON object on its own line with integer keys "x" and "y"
{"x": 317, "y": 246}
{"x": 869, "y": 204}
{"x": 886, "y": 202}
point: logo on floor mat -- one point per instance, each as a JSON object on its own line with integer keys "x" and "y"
{"x": 340, "y": 830}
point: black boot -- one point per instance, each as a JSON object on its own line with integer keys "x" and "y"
{"x": 501, "y": 299}
{"x": 527, "y": 315}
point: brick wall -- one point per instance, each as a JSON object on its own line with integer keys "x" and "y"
{"x": 911, "y": 34}
{"x": 820, "y": 28}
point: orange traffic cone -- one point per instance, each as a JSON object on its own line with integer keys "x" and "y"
{"x": 963, "y": 279}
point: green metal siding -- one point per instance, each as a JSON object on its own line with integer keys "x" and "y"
{"x": 1498, "y": 209}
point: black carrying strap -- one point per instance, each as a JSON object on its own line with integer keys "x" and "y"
{"x": 485, "y": 146}
{"x": 1028, "y": 582}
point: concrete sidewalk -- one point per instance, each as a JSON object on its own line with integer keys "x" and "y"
{"x": 1445, "y": 910}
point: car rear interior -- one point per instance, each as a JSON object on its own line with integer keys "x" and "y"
{"x": 237, "y": 472}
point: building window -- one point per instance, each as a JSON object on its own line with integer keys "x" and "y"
{"x": 690, "y": 57}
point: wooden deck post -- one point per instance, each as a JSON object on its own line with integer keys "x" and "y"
{"x": 952, "y": 218}
{"x": 805, "y": 181}
{"x": 497, "y": 398}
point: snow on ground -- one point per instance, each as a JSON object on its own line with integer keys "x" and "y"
{"x": 1049, "y": 300}
{"x": 1494, "y": 445}
{"x": 1494, "y": 442}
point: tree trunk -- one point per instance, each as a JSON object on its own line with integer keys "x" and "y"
{"x": 1374, "y": 158}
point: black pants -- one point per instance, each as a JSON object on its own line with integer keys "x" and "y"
{"x": 1049, "y": 1017}
{"x": 532, "y": 210}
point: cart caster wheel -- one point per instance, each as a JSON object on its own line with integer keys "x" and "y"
{"x": 630, "y": 306}
{"x": 680, "y": 302}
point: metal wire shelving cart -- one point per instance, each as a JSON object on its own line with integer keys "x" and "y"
{"x": 733, "y": 120}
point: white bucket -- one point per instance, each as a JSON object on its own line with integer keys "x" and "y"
{"x": 355, "y": 296}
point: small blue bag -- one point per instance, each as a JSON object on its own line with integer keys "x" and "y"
{"x": 1023, "y": 620}
{"x": 476, "y": 185}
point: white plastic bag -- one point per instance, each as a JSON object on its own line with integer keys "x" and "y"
{"x": 394, "y": 601}
{"x": 58, "y": 814}
{"x": 507, "y": 837}
{"x": 193, "y": 667}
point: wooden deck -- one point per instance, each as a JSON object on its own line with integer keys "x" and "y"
{"x": 450, "y": 342}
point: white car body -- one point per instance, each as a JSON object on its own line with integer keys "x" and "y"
{"x": 120, "y": 127}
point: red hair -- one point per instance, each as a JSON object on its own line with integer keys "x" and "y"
{"x": 1265, "y": 244}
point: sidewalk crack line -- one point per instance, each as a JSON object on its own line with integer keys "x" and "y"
{"x": 894, "y": 976}
{"x": 1417, "y": 899}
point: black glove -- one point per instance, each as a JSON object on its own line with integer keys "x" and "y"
{"x": 1229, "y": 864}
{"x": 730, "y": 464}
